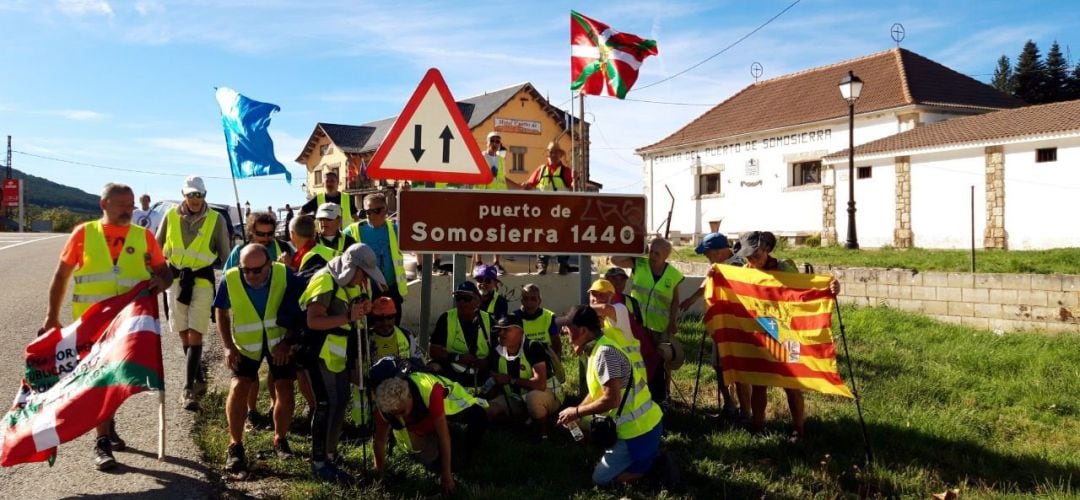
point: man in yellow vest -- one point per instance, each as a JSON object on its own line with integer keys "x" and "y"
{"x": 193, "y": 237}
{"x": 491, "y": 301}
{"x": 495, "y": 155}
{"x": 263, "y": 298}
{"x": 655, "y": 285}
{"x": 552, "y": 176}
{"x": 107, "y": 257}
{"x": 331, "y": 195}
{"x": 461, "y": 339}
{"x": 618, "y": 391}
{"x": 329, "y": 219}
{"x": 539, "y": 322}
{"x": 390, "y": 339}
{"x": 381, "y": 235}
{"x": 523, "y": 383}
{"x": 309, "y": 256}
{"x": 336, "y": 299}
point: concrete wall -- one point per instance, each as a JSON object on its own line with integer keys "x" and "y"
{"x": 1039, "y": 195}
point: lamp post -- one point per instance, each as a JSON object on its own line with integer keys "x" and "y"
{"x": 850, "y": 87}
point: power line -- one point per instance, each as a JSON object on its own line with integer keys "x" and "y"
{"x": 725, "y": 49}
{"x": 131, "y": 170}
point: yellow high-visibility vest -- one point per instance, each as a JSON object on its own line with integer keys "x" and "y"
{"x": 98, "y": 278}
{"x": 249, "y": 328}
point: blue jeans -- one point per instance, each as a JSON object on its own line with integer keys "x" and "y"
{"x": 635, "y": 455}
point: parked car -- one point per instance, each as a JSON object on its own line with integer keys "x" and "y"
{"x": 229, "y": 212}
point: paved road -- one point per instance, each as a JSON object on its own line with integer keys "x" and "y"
{"x": 27, "y": 263}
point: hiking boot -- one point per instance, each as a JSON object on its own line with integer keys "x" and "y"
{"x": 730, "y": 413}
{"x": 103, "y": 457}
{"x": 326, "y": 471}
{"x": 253, "y": 421}
{"x": 189, "y": 401}
{"x": 236, "y": 462}
{"x": 115, "y": 442}
{"x": 499, "y": 269}
{"x": 198, "y": 389}
{"x": 282, "y": 449}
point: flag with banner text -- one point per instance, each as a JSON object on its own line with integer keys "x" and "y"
{"x": 773, "y": 328}
{"x": 247, "y": 135}
{"x": 77, "y": 376}
{"x": 602, "y": 60}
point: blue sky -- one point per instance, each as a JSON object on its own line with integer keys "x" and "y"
{"x": 129, "y": 83}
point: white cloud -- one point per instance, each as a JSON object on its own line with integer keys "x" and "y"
{"x": 191, "y": 149}
{"x": 147, "y": 7}
{"x": 81, "y": 115}
{"x": 79, "y": 8}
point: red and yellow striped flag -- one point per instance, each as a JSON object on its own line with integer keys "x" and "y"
{"x": 773, "y": 328}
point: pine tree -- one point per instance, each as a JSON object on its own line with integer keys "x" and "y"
{"x": 1003, "y": 75}
{"x": 1029, "y": 77}
{"x": 1057, "y": 75}
{"x": 1074, "y": 83}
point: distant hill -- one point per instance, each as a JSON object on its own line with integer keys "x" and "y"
{"x": 48, "y": 194}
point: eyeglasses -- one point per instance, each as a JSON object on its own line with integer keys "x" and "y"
{"x": 383, "y": 318}
{"x": 253, "y": 270}
{"x": 376, "y": 210}
{"x": 196, "y": 194}
{"x": 264, "y": 234}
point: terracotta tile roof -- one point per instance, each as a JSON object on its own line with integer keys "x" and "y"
{"x": 1031, "y": 121}
{"x": 892, "y": 79}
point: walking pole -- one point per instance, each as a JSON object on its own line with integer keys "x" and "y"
{"x": 854, "y": 387}
{"x": 697, "y": 379}
{"x": 363, "y": 392}
{"x": 161, "y": 426}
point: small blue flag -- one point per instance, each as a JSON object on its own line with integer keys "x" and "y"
{"x": 251, "y": 151}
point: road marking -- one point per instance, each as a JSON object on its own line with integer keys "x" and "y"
{"x": 30, "y": 241}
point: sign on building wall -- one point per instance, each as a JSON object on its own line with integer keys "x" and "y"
{"x": 511, "y": 125}
{"x": 458, "y": 221}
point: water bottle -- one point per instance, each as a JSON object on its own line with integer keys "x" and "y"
{"x": 575, "y": 431}
{"x": 488, "y": 385}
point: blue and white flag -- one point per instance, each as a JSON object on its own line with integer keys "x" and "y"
{"x": 251, "y": 151}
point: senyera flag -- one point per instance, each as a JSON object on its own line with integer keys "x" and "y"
{"x": 602, "y": 60}
{"x": 76, "y": 377}
{"x": 773, "y": 328}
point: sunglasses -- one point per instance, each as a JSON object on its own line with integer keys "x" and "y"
{"x": 376, "y": 210}
{"x": 252, "y": 270}
{"x": 484, "y": 281}
{"x": 264, "y": 234}
{"x": 383, "y": 318}
{"x": 494, "y": 139}
{"x": 463, "y": 298}
{"x": 196, "y": 194}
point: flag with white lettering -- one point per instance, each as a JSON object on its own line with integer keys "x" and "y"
{"x": 76, "y": 377}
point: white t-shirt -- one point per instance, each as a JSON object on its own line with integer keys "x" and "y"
{"x": 622, "y": 321}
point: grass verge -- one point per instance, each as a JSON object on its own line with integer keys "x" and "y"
{"x": 945, "y": 407}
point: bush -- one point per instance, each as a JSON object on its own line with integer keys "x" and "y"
{"x": 813, "y": 241}
{"x": 63, "y": 220}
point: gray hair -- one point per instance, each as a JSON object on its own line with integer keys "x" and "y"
{"x": 303, "y": 226}
{"x": 530, "y": 288}
{"x": 374, "y": 197}
{"x": 115, "y": 188}
{"x": 391, "y": 394}
{"x": 660, "y": 243}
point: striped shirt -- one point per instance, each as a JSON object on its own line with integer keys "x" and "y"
{"x": 612, "y": 364}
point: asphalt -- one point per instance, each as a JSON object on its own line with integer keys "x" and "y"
{"x": 27, "y": 263}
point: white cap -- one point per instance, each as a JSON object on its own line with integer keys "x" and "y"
{"x": 193, "y": 184}
{"x": 328, "y": 211}
{"x": 493, "y": 134}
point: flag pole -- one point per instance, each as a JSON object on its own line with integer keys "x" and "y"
{"x": 161, "y": 426}
{"x": 697, "y": 378}
{"x": 854, "y": 388}
{"x": 232, "y": 173}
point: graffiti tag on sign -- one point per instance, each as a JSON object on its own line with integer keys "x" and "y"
{"x": 464, "y": 221}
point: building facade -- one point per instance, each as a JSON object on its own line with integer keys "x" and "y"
{"x": 757, "y": 160}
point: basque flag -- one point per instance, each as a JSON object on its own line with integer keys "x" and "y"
{"x": 246, "y": 122}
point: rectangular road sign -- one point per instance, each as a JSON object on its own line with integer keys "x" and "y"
{"x": 465, "y": 221}
{"x": 11, "y": 193}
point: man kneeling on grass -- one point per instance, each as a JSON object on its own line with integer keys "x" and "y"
{"x": 635, "y": 447}
{"x": 522, "y": 385}
{"x": 425, "y": 405}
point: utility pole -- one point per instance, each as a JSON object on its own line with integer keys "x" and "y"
{"x": 8, "y": 157}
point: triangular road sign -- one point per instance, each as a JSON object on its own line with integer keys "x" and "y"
{"x": 430, "y": 141}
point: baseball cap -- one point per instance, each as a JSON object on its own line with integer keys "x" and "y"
{"x": 358, "y": 256}
{"x": 383, "y": 306}
{"x": 603, "y": 286}
{"x": 750, "y": 244}
{"x": 615, "y": 271}
{"x": 554, "y": 146}
{"x": 493, "y": 134}
{"x": 193, "y": 184}
{"x": 509, "y": 321}
{"x": 712, "y": 241}
{"x": 328, "y": 211}
{"x": 467, "y": 287}
{"x": 485, "y": 271}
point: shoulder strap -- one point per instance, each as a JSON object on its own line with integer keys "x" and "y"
{"x": 626, "y": 392}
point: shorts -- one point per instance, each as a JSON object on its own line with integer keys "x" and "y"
{"x": 194, "y": 316}
{"x": 249, "y": 368}
{"x": 538, "y": 404}
{"x": 634, "y": 455}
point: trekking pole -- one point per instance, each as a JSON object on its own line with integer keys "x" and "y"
{"x": 697, "y": 379}
{"x": 854, "y": 387}
{"x": 363, "y": 392}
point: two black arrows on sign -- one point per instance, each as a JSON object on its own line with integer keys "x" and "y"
{"x": 418, "y": 152}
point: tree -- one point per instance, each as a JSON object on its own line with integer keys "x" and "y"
{"x": 1029, "y": 77}
{"x": 1057, "y": 75}
{"x": 1074, "y": 83}
{"x": 1003, "y": 75}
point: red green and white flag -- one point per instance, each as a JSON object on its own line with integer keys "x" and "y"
{"x": 76, "y": 377}
{"x": 602, "y": 60}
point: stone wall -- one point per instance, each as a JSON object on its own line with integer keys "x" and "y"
{"x": 1006, "y": 302}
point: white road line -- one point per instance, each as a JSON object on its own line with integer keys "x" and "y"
{"x": 30, "y": 241}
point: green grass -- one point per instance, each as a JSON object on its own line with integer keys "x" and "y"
{"x": 1060, "y": 260}
{"x": 945, "y": 407}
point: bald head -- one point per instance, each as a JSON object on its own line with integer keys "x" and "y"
{"x": 255, "y": 264}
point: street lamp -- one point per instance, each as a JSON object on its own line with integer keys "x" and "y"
{"x": 850, "y": 87}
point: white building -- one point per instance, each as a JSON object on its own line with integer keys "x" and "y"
{"x": 755, "y": 161}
